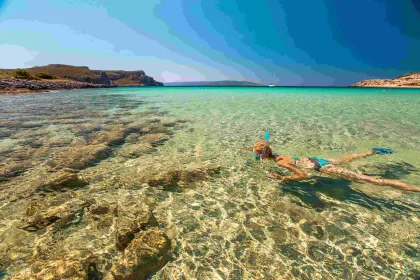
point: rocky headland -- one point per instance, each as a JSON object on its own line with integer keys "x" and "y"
{"x": 407, "y": 80}
{"x": 60, "y": 76}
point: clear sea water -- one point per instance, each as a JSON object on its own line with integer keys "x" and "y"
{"x": 241, "y": 224}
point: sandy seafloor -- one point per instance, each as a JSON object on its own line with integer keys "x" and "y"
{"x": 230, "y": 221}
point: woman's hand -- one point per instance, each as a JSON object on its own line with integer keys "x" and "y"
{"x": 279, "y": 158}
{"x": 274, "y": 175}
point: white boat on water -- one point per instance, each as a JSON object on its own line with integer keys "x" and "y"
{"x": 271, "y": 85}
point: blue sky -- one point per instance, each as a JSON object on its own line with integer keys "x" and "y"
{"x": 288, "y": 42}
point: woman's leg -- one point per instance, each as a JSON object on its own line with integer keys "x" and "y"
{"x": 337, "y": 171}
{"x": 348, "y": 158}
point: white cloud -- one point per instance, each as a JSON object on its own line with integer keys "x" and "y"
{"x": 15, "y": 56}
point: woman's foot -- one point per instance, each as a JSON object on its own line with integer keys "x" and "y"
{"x": 382, "y": 151}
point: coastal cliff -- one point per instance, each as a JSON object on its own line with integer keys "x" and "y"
{"x": 129, "y": 78}
{"x": 60, "y": 76}
{"x": 106, "y": 77}
{"x": 407, "y": 80}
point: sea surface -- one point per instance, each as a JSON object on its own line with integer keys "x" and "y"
{"x": 238, "y": 223}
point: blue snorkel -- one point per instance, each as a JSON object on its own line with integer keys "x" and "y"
{"x": 267, "y": 135}
{"x": 261, "y": 156}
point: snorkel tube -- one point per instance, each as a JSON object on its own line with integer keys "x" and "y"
{"x": 261, "y": 156}
{"x": 267, "y": 136}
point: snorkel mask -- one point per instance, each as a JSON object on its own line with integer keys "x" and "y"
{"x": 261, "y": 156}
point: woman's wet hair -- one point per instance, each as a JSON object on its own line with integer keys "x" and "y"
{"x": 261, "y": 147}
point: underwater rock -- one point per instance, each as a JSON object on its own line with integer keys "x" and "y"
{"x": 132, "y": 138}
{"x": 295, "y": 212}
{"x": 132, "y": 151}
{"x": 86, "y": 128}
{"x": 312, "y": 229}
{"x": 101, "y": 218}
{"x": 146, "y": 254}
{"x": 157, "y": 127}
{"x": 114, "y": 135}
{"x": 154, "y": 130}
{"x": 5, "y": 151}
{"x": 138, "y": 126}
{"x": 62, "y": 216}
{"x": 17, "y": 162}
{"x": 60, "y": 269}
{"x": 62, "y": 180}
{"x": 128, "y": 106}
{"x": 131, "y": 221}
{"x": 318, "y": 251}
{"x": 79, "y": 157}
{"x": 192, "y": 172}
{"x": 155, "y": 139}
{"x": 59, "y": 141}
{"x": 157, "y": 172}
{"x": 169, "y": 123}
{"x": 15, "y": 246}
{"x": 100, "y": 210}
{"x": 279, "y": 234}
{"x": 13, "y": 169}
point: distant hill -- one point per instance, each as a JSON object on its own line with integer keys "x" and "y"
{"x": 84, "y": 74}
{"x": 407, "y": 80}
{"x": 214, "y": 84}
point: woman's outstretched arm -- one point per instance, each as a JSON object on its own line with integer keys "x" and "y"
{"x": 299, "y": 174}
{"x": 243, "y": 149}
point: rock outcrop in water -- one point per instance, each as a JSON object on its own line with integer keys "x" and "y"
{"x": 407, "y": 80}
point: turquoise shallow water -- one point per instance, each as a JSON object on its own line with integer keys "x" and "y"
{"x": 241, "y": 224}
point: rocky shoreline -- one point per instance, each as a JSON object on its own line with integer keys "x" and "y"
{"x": 14, "y": 86}
{"x": 410, "y": 80}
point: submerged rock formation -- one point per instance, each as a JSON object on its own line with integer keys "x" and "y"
{"x": 146, "y": 254}
{"x": 407, "y": 80}
{"x": 60, "y": 269}
{"x": 82, "y": 209}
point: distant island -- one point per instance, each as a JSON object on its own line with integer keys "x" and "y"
{"x": 227, "y": 83}
{"x": 407, "y": 80}
{"x": 60, "y": 76}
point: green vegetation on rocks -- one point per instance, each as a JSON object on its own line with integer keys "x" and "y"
{"x": 22, "y": 74}
{"x": 46, "y": 76}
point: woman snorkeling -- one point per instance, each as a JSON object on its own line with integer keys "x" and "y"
{"x": 329, "y": 166}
